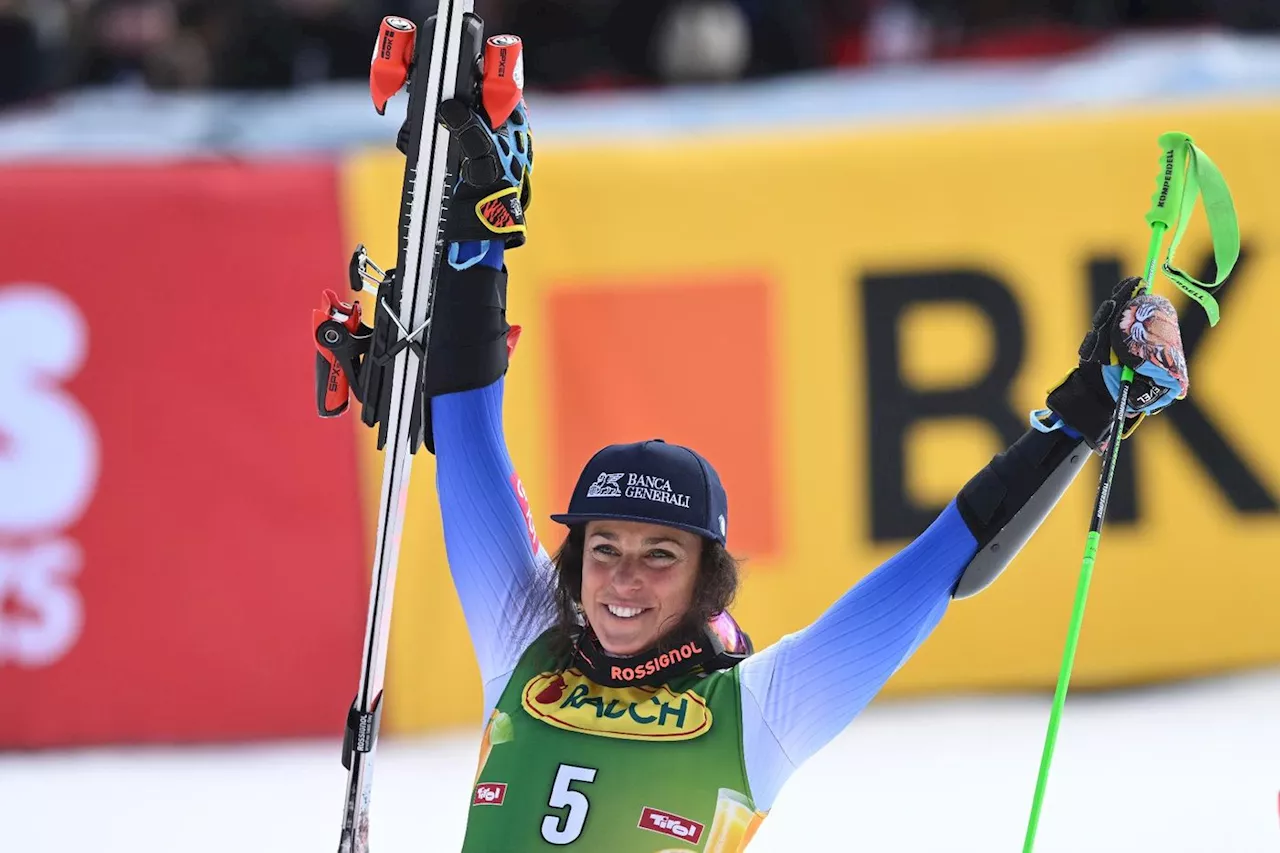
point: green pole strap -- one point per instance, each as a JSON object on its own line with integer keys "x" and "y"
{"x": 1186, "y": 174}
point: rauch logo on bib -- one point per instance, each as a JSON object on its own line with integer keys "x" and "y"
{"x": 570, "y": 701}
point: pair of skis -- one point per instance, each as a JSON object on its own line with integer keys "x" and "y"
{"x": 383, "y": 364}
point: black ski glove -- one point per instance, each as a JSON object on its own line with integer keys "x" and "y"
{"x": 493, "y": 189}
{"x": 1140, "y": 332}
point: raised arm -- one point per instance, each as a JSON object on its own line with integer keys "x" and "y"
{"x": 497, "y": 564}
{"x": 805, "y": 689}
{"x": 801, "y": 692}
{"x": 498, "y": 567}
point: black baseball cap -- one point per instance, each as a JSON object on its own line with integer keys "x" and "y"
{"x": 654, "y": 482}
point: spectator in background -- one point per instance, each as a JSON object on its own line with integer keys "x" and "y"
{"x": 21, "y": 59}
{"x": 1011, "y": 29}
{"x": 678, "y": 41}
{"x": 565, "y": 44}
{"x": 570, "y": 44}
{"x": 133, "y": 42}
{"x": 258, "y": 45}
{"x": 872, "y": 32}
{"x": 1250, "y": 15}
{"x": 609, "y": 43}
{"x": 222, "y": 44}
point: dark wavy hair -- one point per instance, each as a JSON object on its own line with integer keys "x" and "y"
{"x": 713, "y": 590}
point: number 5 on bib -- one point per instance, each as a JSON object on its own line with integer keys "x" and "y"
{"x": 565, "y": 828}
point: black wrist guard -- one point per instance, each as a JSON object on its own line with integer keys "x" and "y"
{"x": 1007, "y": 500}
{"x": 1084, "y": 403}
{"x": 468, "y": 343}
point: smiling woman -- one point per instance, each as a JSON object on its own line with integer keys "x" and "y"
{"x": 636, "y": 583}
{"x": 623, "y": 701}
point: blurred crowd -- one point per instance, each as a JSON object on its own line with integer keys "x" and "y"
{"x": 47, "y": 46}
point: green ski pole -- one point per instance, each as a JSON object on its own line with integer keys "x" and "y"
{"x": 1174, "y": 199}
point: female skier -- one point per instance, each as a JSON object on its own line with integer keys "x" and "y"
{"x": 627, "y": 713}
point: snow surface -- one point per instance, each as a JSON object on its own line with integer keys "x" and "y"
{"x": 1190, "y": 768}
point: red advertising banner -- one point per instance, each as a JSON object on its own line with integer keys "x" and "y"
{"x": 181, "y": 541}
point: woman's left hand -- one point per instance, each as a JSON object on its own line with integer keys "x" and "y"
{"x": 1130, "y": 329}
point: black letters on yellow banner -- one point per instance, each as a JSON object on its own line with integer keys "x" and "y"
{"x": 893, "y": 406}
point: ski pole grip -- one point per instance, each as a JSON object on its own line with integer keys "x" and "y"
{"x": 1170, "y": 183}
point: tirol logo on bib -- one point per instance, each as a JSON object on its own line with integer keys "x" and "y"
{"x": 490, "y": 794}
{"x": 666, "y": 823}
{"x": 572, "y": 702}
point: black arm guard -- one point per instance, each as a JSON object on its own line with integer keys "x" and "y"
{"x": 1007, "y": 500}
{"x": 468, "y": 344}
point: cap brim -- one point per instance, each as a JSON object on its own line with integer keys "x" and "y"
{"x": 567, "y": 519}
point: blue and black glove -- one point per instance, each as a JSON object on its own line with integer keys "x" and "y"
{"x": 1138, "y": 331}
{"x": 493, "y": 190}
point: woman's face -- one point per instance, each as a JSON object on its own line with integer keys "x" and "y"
{"x": 637, "y": 581}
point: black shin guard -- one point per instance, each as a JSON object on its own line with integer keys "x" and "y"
{"x": 468, "y": 343}
{"x": 1007, "y": 500}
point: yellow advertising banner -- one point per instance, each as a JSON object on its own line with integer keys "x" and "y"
{"x": 848, "y": 324}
